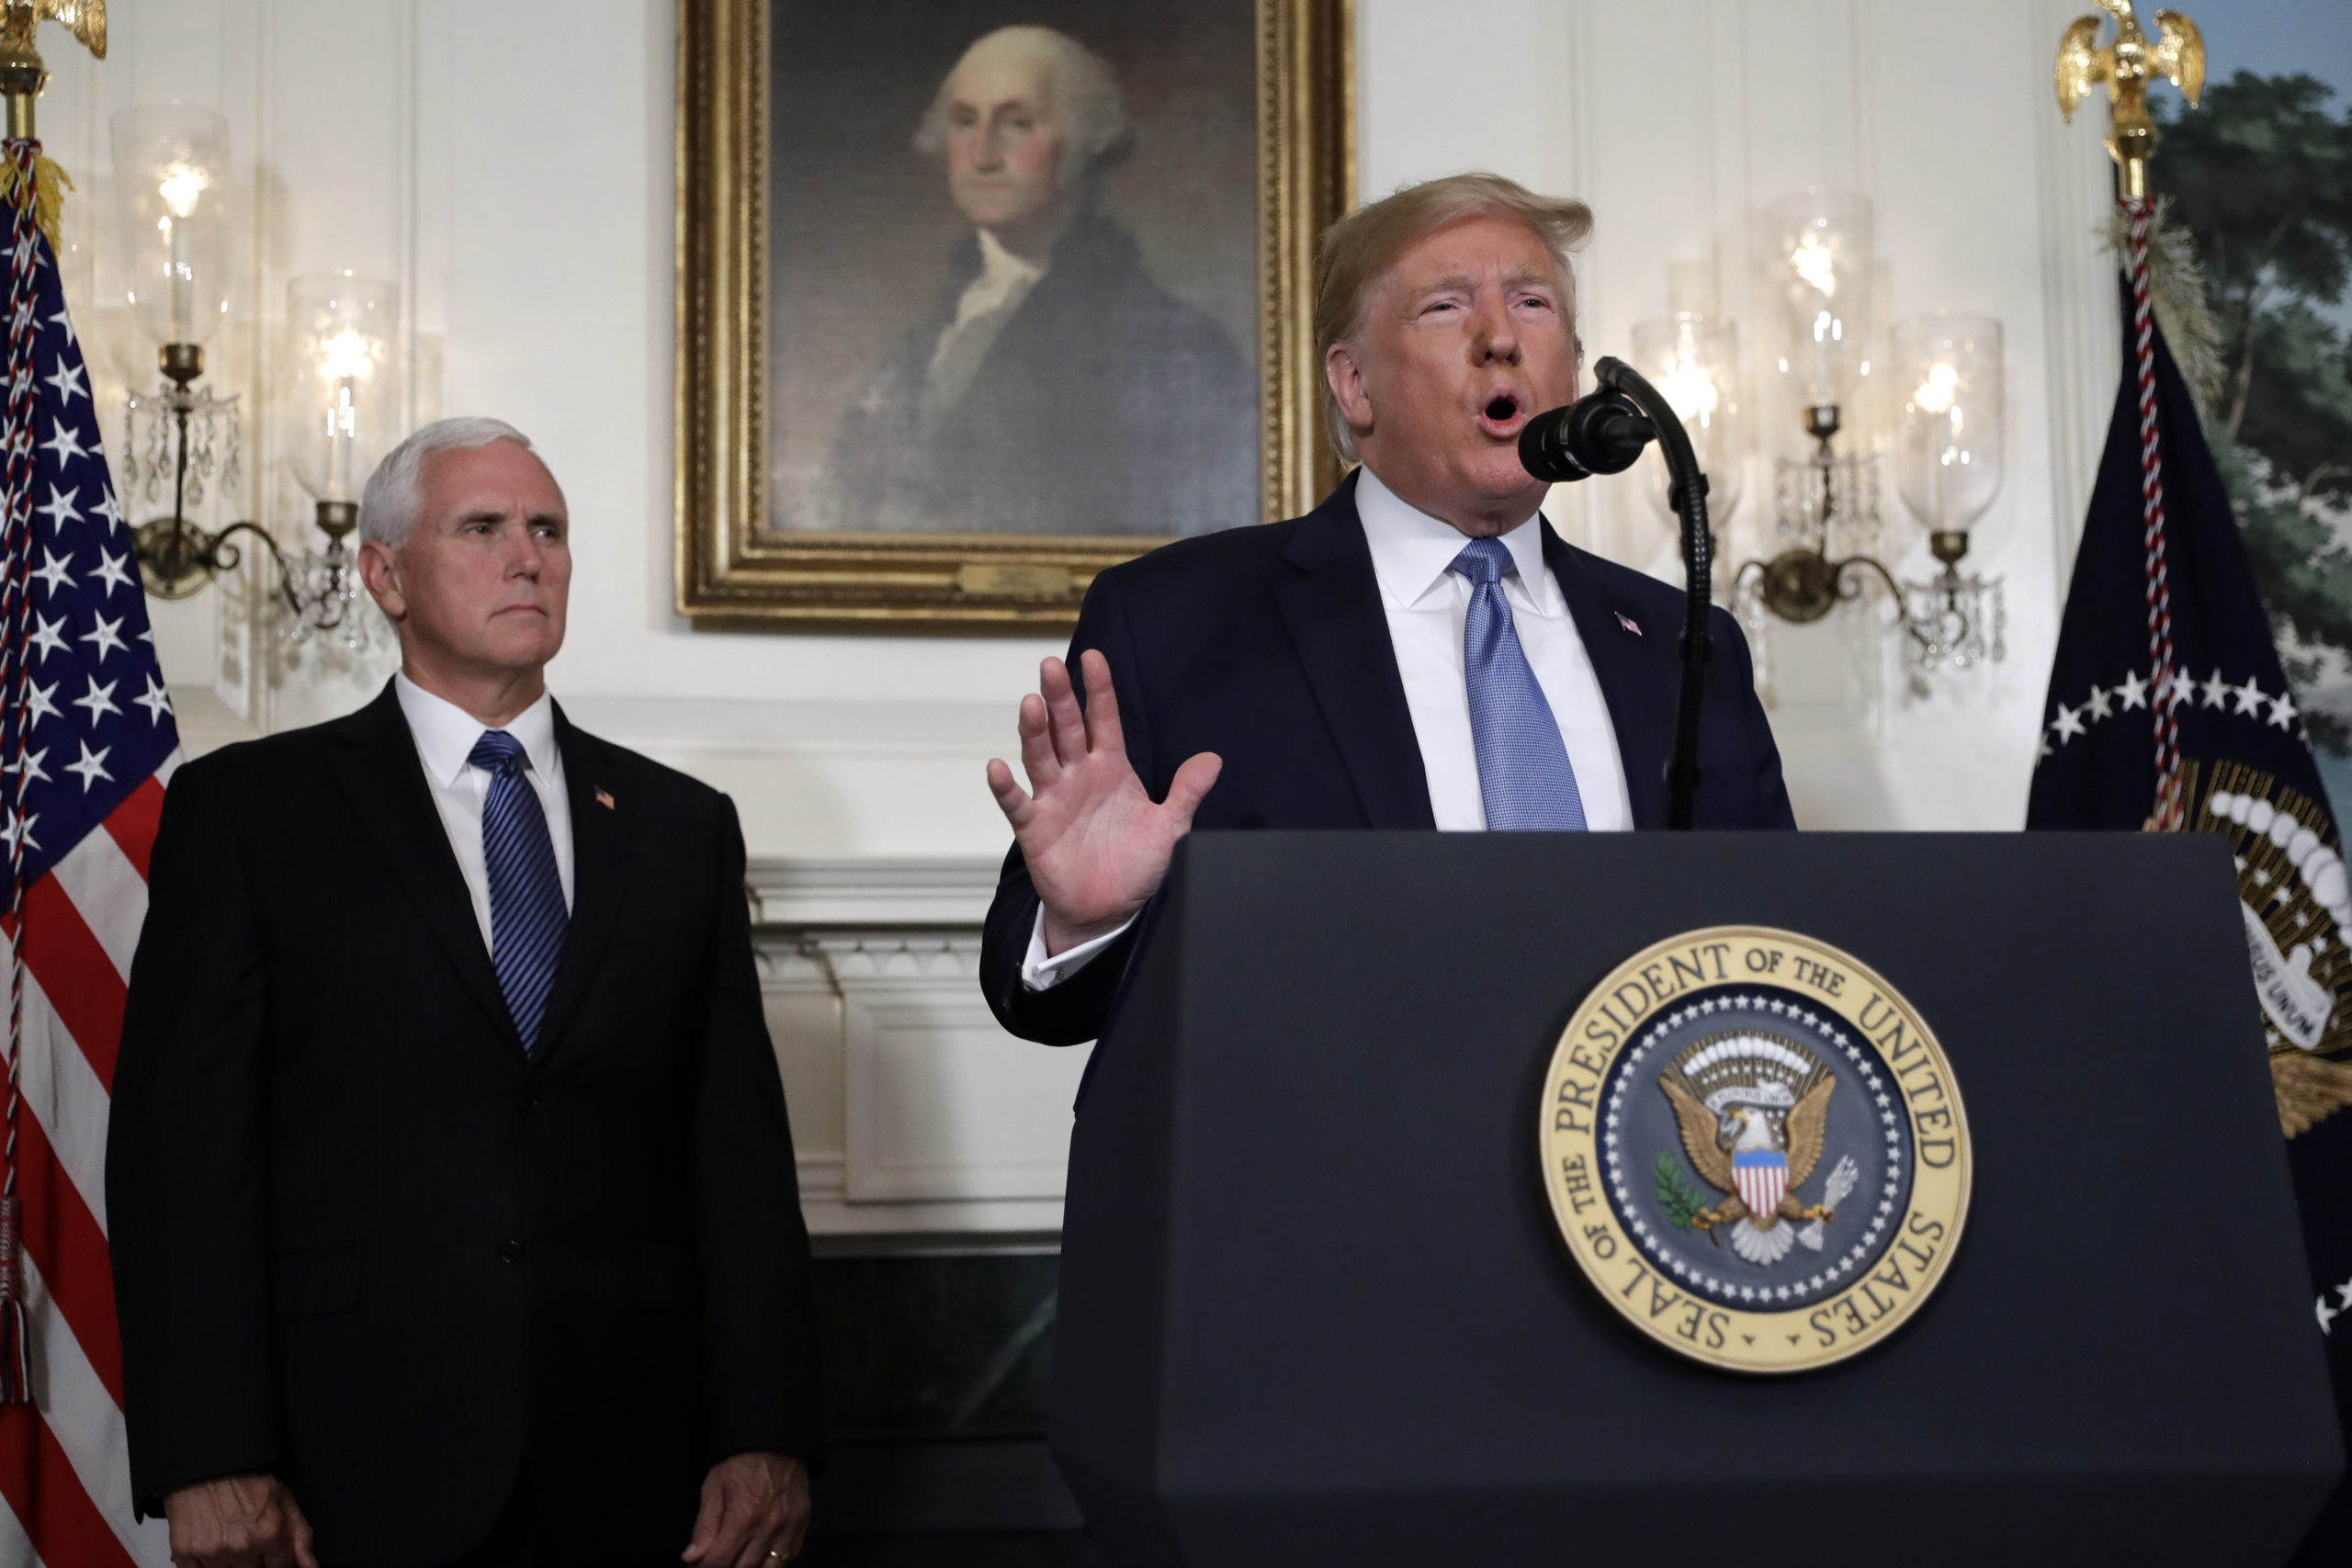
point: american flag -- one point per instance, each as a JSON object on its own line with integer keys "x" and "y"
{"x": 87, "y": 741}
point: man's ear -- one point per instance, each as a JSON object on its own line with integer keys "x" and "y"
{"x": 1344, "y": 373}
{"x": 379, "y": 568}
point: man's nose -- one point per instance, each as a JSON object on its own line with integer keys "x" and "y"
{"x": 1496, "y": 337}
{"x": 988, "y": 148}
{"x": 525, "y": 557}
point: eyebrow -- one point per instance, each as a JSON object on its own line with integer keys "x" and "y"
{"x": 1462, "y": 282}
{"x": 535, "y": 520}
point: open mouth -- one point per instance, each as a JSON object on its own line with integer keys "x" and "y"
{"x": 1501, "y": 415}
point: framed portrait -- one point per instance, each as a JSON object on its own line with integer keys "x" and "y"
{"x": 977, "y": 297}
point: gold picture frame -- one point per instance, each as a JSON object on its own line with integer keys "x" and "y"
{"x": 733, "y": 566}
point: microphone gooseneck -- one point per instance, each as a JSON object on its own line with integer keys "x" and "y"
{"x": 1603, "y": 434}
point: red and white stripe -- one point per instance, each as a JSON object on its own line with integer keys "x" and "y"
{"x": 64, "y": 1463}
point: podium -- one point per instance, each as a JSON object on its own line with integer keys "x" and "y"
{"x": 1314, "y": 1307}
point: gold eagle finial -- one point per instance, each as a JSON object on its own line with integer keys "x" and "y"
{"x": 2176, "y": 53}
{"x": 22, "y": 74}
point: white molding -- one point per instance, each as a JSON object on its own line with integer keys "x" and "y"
{"x": 828, "y": 1211}
{"x": 912, "y": 891}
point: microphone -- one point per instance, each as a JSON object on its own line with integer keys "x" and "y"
{"x": 1602, "y": 435}
{"x": 1599, "y": 434}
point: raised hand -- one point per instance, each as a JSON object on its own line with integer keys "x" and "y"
{"x": 1096, "y": 844}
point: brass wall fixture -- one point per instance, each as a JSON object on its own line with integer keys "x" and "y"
{"x": 1948, "y": 446}
{"x": 171, "y": 163}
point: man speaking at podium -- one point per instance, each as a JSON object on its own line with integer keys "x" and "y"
{"x": 1420, "y": 651}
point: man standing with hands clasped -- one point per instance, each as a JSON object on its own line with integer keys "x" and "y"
{"x": 1420, "y": 651}
{"x": 450, "y": 1186}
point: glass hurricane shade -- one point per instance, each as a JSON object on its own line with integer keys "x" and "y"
{"x": 1818, "y": 257}
{"x": 1947, "y": 369}
{"x": 171, "y": 163}
{"x": 344, "y": 401}
{"x": 1693, "y": 361}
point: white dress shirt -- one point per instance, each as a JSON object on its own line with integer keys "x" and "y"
{"x": 446, "y": 735}
{"x": 982, "y": 313}
{"x": 1426, "y": 606}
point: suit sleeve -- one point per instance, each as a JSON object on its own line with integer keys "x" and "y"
{"x": 184, "y": 1162}
{"x": 763, "y": 1394}
{"x": 1768, "y": 791}
{"x": 1077, "y": 1010}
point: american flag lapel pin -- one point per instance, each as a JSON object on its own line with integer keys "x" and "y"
{"x": 1623, "y": 620}
{"x": 604, "y": 800}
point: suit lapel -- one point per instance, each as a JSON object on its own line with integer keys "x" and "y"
{"x": 1637, "y": 676}
{"x": 1331, "y": 601}
{"x": 381, "y": 774}
{"x": 600, "y": 864}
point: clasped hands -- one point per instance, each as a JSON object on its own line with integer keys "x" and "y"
{"x": 1096, "y": 843}
{"x": 754, "y": 1513}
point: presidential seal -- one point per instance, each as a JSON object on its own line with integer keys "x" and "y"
{"x": 1755, "y": 1149}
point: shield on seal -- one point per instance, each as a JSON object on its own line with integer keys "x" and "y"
{"x": 1763, "y": 1177}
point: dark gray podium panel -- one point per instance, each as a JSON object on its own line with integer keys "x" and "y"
{"x": 1315, "y": 1309}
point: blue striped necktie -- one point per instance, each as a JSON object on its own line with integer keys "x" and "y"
{"x": 1524, "y": 776}
{"x": 527, "y": 919}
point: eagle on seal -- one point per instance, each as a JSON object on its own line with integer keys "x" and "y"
{"x": 1755, "y": 1160}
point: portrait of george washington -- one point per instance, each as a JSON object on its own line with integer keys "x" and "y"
{"x": 1037, "y": 315}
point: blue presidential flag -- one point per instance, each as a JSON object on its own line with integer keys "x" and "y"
{"x": 2168, "y": 710}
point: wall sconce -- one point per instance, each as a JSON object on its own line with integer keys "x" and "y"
{"x": 1948, "y": 469}
{"x": 1819, "y": 268}
{"x": 342, "y": 332}
{"x": 1948, "y": 447}
{"x": 1693, "y": 360}
{"x": 171, "y": 165}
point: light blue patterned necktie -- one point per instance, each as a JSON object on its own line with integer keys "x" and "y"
{"x": 1523, "y": 772}
{"x": 527, "y": 919}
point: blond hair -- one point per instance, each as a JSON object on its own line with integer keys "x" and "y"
{"x": 1357, "y": 251}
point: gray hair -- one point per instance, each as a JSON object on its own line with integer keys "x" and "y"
{"x": 388, "y": 507}
{"x": 1086, "y": 93}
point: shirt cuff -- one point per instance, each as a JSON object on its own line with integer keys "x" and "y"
{"x": 1039, "y": 972}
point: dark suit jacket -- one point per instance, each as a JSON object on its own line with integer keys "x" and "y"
{"x": 1269, "y": 647}
{"x": 361, "y": 1241}
{"x": 1105, "y": 405}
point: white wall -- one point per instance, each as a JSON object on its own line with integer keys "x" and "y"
{"x": 510, "y": 166}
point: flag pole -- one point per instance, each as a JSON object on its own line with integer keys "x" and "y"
{"x": 2124, "y": 66}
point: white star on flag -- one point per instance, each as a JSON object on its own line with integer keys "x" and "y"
{"x": 2249, "y": 695}
{"x": 107, "y": 633}
{"x": 39, "y": 704}
{"x": 53, "y": 574}
{"x": 114, "y": 570}
{"x": 91, "y": 769}
{"x": 106, "y": 507}
{"x": 156, "y": 701}
{"x": 66, "y": 321}
{"x": 48, "y": 636}
{"x": 2098, "y": 705}
{"x": 67, "y": 379}
{"x": 9, "y": 833}
{"x": 60, "y": 508}
{"x": 2217, "y": 691}
{"x": 98, "y": 699}
{"x": 66, "y": 442}
{"x": 2070, "y": 723}
{"x": 2282, "y": 709}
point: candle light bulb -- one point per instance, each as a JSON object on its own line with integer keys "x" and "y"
{"x": 1814, "y": 266}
